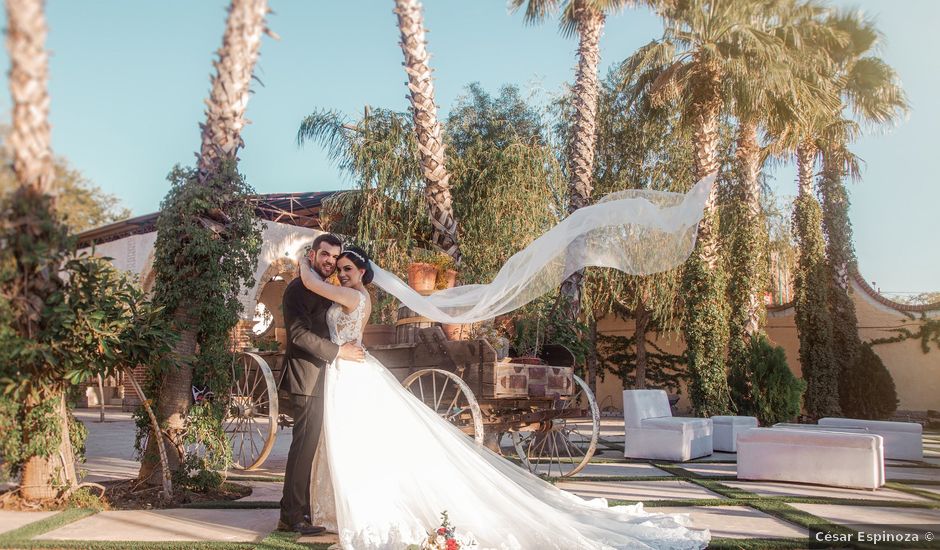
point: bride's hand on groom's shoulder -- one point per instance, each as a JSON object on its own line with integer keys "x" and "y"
{"x": 352, "y": 352}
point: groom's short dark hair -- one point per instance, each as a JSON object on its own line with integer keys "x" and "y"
{"x": 327, "y": 238}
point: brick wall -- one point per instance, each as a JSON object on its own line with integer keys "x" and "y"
{"x": 242, "y": 334}
{"x": 131, "y": 399}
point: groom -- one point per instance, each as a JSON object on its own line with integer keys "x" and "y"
{"x": 309, "y": 350}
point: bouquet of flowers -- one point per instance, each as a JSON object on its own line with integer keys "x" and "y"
{"x": 445, "y": 538}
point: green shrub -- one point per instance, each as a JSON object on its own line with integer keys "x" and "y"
{"x": 775, "y": 394}
{"x": 866, "y": 390}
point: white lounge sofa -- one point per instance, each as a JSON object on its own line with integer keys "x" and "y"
{"x": 838, "y": 459}
{"x": 652, "y": 432}
{"x": 903, "y": 440}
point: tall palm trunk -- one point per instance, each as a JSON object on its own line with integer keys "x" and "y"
{"x": 811, "y": 296}
{"x": 840, "y": 253}
{"x": 753, "y": 267}
{"x": 30, "y": 146}
{"x": 747, "y": 263}
{"x": 427, "y": 127}
{"x": 221, "y": 140}
{"x": 581, "y": 148}
{"x": 705, "y": 327}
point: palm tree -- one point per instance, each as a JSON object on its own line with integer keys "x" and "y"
{"x": 29, "y": 143}
{"x": 707, "y": 44}
{"x": 586, "y": 18}
{"x": 869, "y": 88}
{"x": 796, "y": 123}
{"x": 767, "y": 100}
{"x": 427, "y": 127}
{"x": 221, "y": 140}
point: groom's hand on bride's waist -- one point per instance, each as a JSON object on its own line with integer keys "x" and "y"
{"x": 352, "y": 352}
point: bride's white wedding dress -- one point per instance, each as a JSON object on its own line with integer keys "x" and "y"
{"x": 388, "y": 466}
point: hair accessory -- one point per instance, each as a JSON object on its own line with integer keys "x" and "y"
{"x": 356, "y": 254}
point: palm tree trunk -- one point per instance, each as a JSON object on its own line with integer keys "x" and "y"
{"x": 221, "y": 140}
{"x": 427, "y": 127}
{"x": 581, "y": 148}
{"x": 754, "y": 257}
{"x": 642, "y": 326}
{"x": 811, "y": 297}
{"x": 30, "y": 135}
{"x": 705, "y": 328}
{"x": 175, "y": 397}
{"x": 228, "y": 100}
{"x": 840, "y": 253}
{"x": 30, "y": 145}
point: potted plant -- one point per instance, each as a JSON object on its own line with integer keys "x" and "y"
{"x": 422, "y": 277}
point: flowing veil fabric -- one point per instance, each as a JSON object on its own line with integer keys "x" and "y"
{"x": 637, "y": 231}
{"x": 388, "y": 465}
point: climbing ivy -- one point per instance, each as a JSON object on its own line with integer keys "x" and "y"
{"x": 813, "y": 321}
{"x": 208, "y": 241}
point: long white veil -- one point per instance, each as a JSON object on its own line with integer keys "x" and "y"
{"x": 637, "y": 231}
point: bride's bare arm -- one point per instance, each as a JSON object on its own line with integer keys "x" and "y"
{"x": 347, "y": 297}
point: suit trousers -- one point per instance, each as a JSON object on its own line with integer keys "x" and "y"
{"x": 308, "y": 422}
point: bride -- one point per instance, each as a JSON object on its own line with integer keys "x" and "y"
{"x": 387, "y": 465}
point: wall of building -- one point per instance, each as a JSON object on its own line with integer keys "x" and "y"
{"x": 916, "y": 374}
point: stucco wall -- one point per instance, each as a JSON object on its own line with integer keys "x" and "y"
{"x": 916, "y": 374}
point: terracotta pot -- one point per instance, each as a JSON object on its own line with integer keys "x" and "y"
{"x": 456, "y": 332}
{"x": 450, "y": 278}
{"x": 422, "y": 276}
{"x": 378, "y": 335}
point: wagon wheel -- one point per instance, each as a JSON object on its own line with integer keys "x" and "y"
{"x": 562, "y": 444}
{"x": 251, "y": 423}
{"x": 450, "y": 397}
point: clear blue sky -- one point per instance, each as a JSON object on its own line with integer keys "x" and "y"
{"x": 128, "y": 80}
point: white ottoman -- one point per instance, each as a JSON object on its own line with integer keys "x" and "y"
{"x": 725, "y": 431}
{"x": 838, "y": 459}
{"x": 903, "y": 440}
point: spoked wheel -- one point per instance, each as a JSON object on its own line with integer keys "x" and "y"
{"x": 450, "y": 397}
{"x": 563, "y": 446}
{"x": 251, "y": 423}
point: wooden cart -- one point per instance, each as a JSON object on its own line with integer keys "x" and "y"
{"x": 542, "y": 415}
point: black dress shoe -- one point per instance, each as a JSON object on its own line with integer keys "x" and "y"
{"x": 302, "y": 527}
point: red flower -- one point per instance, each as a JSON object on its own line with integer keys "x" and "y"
{"x": 452, "y": 544}
{"x": 441, "y": 531}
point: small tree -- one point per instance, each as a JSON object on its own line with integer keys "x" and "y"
{"x": 868, "y": 391}
{"x": 775, "y": 395}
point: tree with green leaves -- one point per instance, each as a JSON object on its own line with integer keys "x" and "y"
{"x": 762, "y": 102}
{"x": 869, "y": 89}
{"x": 206, "y": 249}
{"x": 707, "y": 44}
{"x": 639, "y": 146}
{"x": 586, "y": 19}
{"x": 33, "y": 245}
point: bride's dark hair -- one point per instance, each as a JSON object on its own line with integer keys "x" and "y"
{"x": 360, "y": 259}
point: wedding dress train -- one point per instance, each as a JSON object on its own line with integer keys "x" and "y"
{"x": 388, "y": 466}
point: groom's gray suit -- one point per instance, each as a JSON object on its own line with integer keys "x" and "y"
{"x": 309, "y": 350}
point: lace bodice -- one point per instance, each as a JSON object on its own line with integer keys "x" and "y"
{"x": 346, "y": 327}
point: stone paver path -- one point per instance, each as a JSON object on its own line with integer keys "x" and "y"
{"x": 781, "y": 489}
{"x": 111, "y": 456}
{"x": 10, "y": 520}
{"x": 170, "y": 525}
{"x": 736, "y": 522}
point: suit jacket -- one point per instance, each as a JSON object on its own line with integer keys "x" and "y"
{"x": 309, "y": 348}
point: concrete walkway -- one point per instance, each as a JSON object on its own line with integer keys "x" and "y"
{"x": 703, "y": 489}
